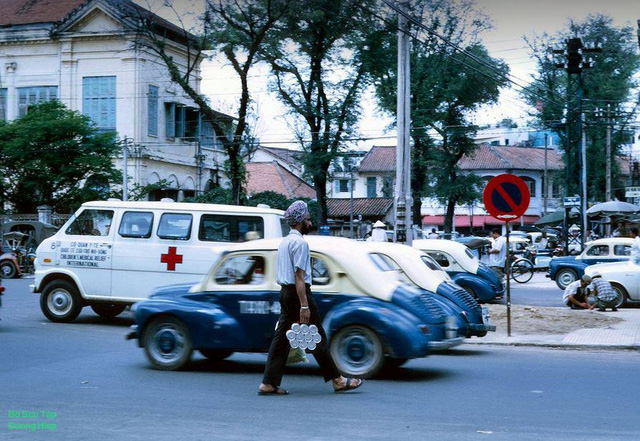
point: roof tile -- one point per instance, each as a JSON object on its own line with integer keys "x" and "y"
{"x": 263, "y": 176}
{"x": 341, "y": 207}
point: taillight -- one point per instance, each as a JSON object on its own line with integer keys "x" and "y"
{"x": 1, "y": 289}
{"x": 424, "y": 329}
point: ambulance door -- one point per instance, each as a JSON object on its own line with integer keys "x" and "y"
{"x": 132, "y": 273}
{"x": 86, "y": 250}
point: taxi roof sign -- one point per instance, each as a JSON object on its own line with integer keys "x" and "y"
{"x": 506, "y": 197}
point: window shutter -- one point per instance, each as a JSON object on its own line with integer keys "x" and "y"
{"x": 153, "y": 110}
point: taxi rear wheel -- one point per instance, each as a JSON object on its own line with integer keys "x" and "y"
{"x": 167, "y": 343}
{"x": 60, "y": 301}
{"x": 215, "y": 354}
{"x": 357, "y": 352}
{"x": 108, "y": 310}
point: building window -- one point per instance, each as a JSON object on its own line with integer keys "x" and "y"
{"x": 99, "y": 101}
{"x": 371, "y": 187}
{"x": 153, "y": 110}
{"x": 387, "y": 187}
{"x": 29, "y": 96}
{"x": 3, "y": 104}
{"x": 531, "y": 183}
{"x": 180, "y": 121}
{"x": 342, "y": 185}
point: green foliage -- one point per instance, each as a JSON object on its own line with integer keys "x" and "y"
{"x": 606, "y": 86}
{"x": 216, "y": 195}
{"x": 271, "y": 198}
{"x": 320, "y": 60}
{"x": 141, "y": 192}
{"x": 446, "y": 87}
{"x": 47, "y": 157}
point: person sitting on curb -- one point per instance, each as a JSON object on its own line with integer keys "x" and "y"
{"x": 605, "y": 295}
{"x": 576, "y": 295}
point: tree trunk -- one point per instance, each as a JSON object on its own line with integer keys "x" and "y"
{"x": 417, "y": 209}
{"x": 320, "y": 185}
{"x": 448, "y": 217}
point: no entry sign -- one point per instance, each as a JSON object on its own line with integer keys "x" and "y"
{"x": 506, "y": 197}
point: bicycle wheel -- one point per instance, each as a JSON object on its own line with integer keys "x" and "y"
{"x": 522, "y": 270}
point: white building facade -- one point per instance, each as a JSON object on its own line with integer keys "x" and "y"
{"x": 82, "y": 54}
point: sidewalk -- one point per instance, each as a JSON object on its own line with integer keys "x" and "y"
{"x": 622, "y": 335}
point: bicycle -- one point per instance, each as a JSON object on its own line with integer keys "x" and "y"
{"x": 522, "y": 270}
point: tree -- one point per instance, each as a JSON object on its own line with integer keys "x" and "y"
{"x": 55, "y": 156}
{"x": 607, "y": 85}
{"x": 238, "y": 31}
{"x": 271, "y": 198}
{"x": 320, "y": 61}
{"x": 447, "y": 85}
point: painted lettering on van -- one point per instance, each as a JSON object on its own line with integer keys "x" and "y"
{"x": 85, "y": 254}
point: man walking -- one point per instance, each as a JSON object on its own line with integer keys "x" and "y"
{"x": 293, "y": 274}
{"x": 635, "y": 248}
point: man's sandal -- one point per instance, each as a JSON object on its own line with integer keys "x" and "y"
{"x": 351, "y": 385}
{"x": 276, "y": 391}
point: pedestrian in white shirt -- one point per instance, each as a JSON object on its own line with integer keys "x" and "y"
{"x": 498, "y": 252}
{"x": 378, "y": 234}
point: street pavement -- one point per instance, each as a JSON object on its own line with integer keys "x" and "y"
{"x": 541, "y": 291}
{"x": 83, "y": 381}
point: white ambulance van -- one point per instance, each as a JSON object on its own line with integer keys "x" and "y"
{"x": 111, "y": 254}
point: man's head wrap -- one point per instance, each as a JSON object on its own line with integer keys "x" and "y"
{"x": 296, "y": 213}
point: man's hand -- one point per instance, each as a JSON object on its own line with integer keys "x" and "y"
{"x": 305, "y": 315}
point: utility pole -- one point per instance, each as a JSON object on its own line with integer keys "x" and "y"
{"x": 574, "y": 65}
{"x": 608, "y": 153}
{"x": 545, "y": 179}
{"x": 125, "y": 169}
{"x": 402, "y": 203}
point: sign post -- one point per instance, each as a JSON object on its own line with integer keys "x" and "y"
{"x": 506, "y": 197}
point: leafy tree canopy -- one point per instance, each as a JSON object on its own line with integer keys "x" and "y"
{"x": 55, "y": 156}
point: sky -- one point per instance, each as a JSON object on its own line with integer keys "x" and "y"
{"x": 511, "y": 19}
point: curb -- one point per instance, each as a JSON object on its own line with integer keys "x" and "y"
{"x": 557, "y": 345}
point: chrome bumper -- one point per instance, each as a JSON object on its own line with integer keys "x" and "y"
{"x": 445, "y": 344}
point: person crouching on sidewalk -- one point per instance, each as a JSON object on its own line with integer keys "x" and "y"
{"x": 605, "y": 295}
{"x": 576, "y": 295}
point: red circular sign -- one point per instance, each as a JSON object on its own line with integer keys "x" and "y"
{"x": 506, "y": 197}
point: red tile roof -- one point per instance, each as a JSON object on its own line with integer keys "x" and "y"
{"x": 20, "y": 12}
{"x": 379, "y": 159}
{"x": 287, "y": 155}
{"x": 366, "y": 207}
{"x": 263, "y": 176}
{"x": 488, "y": 157}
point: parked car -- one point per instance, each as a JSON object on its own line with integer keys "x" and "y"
{"x": 424, "y": 272}
{"x": 566, "y": 269}
{"x": 464, "y": 267}
{"x": 370, "y": 316}
{"x": 624, "y": 278}
{"x": 111, "y": 254}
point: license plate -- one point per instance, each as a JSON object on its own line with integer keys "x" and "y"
{"x": 486, "y": 315}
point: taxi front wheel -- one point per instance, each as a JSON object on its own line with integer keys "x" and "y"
{"x": 60, "y": 301}
{"x": 357, "y": 352}
{"x": 167, "y": 343}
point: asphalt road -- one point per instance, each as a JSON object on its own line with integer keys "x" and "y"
{"x": 90, "y": 383}
{"x": 539, "y": 291}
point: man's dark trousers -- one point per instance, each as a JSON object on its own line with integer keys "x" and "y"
{"x": 279, "y": 350}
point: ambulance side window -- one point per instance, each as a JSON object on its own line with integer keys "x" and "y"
{"x": 136, "y": 224}
{"x": 230, "y": 228}
{"x": 175, "y": 226}
{"x": 91, "y": 223}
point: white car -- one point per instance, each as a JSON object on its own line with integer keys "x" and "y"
{"x": 624, "y": 278}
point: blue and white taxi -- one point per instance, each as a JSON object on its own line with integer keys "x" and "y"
{"x": 423, "y": 271}
{"x": 464, "y": 267}
{"x": 370, "y": 316}
{"x": 567, "y": 269}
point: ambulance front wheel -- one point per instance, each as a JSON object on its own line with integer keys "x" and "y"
{"x": 60, "y": 301}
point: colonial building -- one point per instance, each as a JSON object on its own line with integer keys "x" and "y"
{"x": 82, "y": 53}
